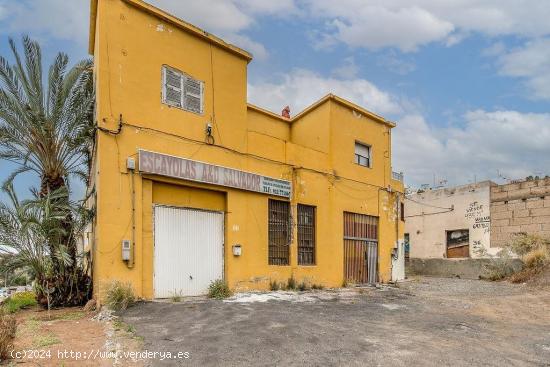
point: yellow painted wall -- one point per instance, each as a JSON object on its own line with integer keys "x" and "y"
{"x": 314, "y": 152}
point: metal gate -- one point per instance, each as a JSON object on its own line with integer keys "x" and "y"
{"x": 360, "y": 248}
{"x": 188, "y": 250}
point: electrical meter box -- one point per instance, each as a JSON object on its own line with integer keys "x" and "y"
{"x": 126, "y": 249}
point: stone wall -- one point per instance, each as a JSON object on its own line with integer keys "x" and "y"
{"x": 522, "y": 207}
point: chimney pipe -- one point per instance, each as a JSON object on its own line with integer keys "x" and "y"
{"x": 286, "y": 112}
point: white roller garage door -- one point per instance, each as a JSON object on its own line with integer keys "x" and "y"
{"x": 188, "y": 250}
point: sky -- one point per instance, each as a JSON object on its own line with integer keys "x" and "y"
{"x": 466, "y": 81}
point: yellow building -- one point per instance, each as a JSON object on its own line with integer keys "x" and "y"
{"x": 192, "y": 183}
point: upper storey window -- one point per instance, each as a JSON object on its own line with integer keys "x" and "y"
{"x": 182, "y": 91}
{"x": 362, "y": 154}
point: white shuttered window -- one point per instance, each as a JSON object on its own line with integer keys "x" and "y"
{"x": 182, "y": 91}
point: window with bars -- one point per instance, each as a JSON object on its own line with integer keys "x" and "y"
{"x": 279, "y": 232}
{"x": 362, "y": 155}
{"x": 306, "y": 235}
{"x": 182, "y": 91}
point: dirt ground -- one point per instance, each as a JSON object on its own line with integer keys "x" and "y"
{"x": 423, "y": 322}
{"x": 47, "y": 339}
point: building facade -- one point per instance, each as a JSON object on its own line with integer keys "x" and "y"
{"x": 192, "y": 184}
{"x": 450, "y": 222}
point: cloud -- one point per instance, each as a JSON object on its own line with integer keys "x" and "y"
{"x": 514, "y": 143}
{"x": 530, "y": 62}
{"x": 410, "y": 24}
{"x": 396, "y": 64}
{"x": 43, "y": 19}
{"x": 213, "y": 15}
{"x": 300, "y": 88}
{"x": 347, "y": 70}
{"x": 69, "y": 20}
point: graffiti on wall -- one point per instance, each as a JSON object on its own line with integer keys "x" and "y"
{"x": 476, "y": 212}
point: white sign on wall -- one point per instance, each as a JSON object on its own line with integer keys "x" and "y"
{"x": 186, "y": 169}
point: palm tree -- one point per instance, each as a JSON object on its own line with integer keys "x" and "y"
{"x": 45, "y": 130}
{"x": 26, "y": 232}
{"x": 48, "y": 129}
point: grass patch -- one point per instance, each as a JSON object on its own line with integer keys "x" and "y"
{"x": 119, "y": 295}
{"x": 303, "y": 286}
{"x": 219, "y": 289}
{"x": 19, "y": 301}
{"x": 317, "y": 286}
{"x": 32, "y": 325}
{"x": 46, "y": 340}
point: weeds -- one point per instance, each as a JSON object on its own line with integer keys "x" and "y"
{"x": 291, "y": 284}
{"x": 345, "y": 283}
{"x": 274, "y": 285}
{"x": 119, "y": 295}
{"x": 303, "y": 286}
{"x": 536, "y": 258}
{"x": 19, "y": 301}
{"x": 317, "y": 286}
{"x": 534, "y": 251}
{"x": 8, "y": 328}
{"x": 176, "y": 296}
{"x": 219, "y": 289}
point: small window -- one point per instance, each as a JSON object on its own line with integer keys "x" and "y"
{"x": 403, "y": 211}
{"x": 306, "y": 235}
{"x": 362, "y": 155}
{"x": 279, "y": 232}
{"x": 182, "y": 91}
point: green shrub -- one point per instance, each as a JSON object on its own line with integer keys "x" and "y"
{"x": 119, "y": 295}
{"x": 219, "y": 289}
{"x": 291, "y": 284}
{"x": 8, "y": 327}
{"x": 274, "y": 285}
{"x": 20, "y": 300}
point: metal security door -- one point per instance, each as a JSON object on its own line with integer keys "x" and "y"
{"x": 360, "y": 248}
{"x": 188, "y": 251}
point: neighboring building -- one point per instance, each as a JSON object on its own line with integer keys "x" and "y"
{"x": 450, "y": 222}
{"x": 520, "y": 207}
{"x": 472, "y": 222}
{"x": 191, "y": 183}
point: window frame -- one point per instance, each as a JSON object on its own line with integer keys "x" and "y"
{"x": 184, "y": 77}
{"x": 276, "y": 251}
{"x": 302, "y": 235}
{"x": 357, "y": 157}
